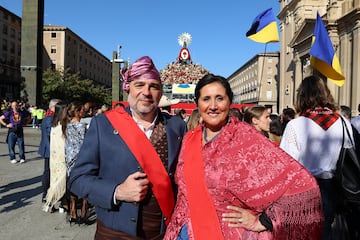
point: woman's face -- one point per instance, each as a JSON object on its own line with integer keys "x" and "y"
{"x": 263, "y": 122}
{"x": 214, "y": 105}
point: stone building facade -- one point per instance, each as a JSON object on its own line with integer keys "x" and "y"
{"x": 256, "y": 82}
{"x": 65, "y": 49}
{"x": 10, "y": 54}
{"x": 62, "y": 48}
{"x": 297, "y": 21}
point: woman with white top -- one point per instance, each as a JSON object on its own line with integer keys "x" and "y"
{"x": 314, "y": 138}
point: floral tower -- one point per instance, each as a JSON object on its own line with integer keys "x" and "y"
{"x": 180, "y": 77}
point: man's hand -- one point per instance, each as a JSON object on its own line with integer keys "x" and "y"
{"x": 133, "y": 189}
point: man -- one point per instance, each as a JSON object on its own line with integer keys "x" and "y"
{"x": 126, "y": 164}
{"x": 89, "y": 108}
{"x": 44, "y": 148}
{"x": 15, "y": 120}
{"x": 355, "y": 121}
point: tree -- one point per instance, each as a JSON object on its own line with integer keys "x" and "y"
{"x": 70, "y": 87}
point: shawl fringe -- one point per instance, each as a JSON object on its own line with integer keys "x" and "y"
{"x": 55, "y": 193}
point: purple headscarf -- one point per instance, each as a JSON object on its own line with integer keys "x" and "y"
{"x": 143, "y": 67}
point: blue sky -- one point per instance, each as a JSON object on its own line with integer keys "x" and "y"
{"x": 145, "y": 27}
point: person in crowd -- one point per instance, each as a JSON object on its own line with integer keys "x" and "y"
{"x": 74, "y": 132}
{"x": 119, "y": 104}
{"x": 126, "y": 164}
{"x": 166, "y": 103}
{"x": 40, "y": 115}
{"x": 286, "y": 115}
{"x": 346, "y": 112}
{"x": 194, "y": 119}
{"x": 34, "y": 121}
{"x": 314, "y": 139}
{"x": 15, "y": 119}
{"x": 275, "y": 132}
{"x": 44, "y": 148}
{"x": 57, "y": 164}
{"x": 236, "y": 113}
{"x": 102, "y": 108}
{"x": 181, "y": 113}
{"x": 259, "y": 117}
{"x": 356, "y": 120}
{"x": 235, "y": 184}
{"x": 89, "y": 109}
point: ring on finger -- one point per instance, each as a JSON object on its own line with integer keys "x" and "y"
{"x": 240, "y": 220}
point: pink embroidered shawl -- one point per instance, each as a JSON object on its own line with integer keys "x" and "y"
{"x": 243, "y": 168}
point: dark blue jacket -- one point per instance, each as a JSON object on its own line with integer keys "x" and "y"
{"x": 44, "y": 148}
{"x": 105, "y": 161}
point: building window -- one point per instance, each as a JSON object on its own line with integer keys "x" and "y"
{"x": 12, "y": 33}
{"x": 53, "y": 49}
{"x": 268, "y": 95}
{"x": 12, "y": 47}
{"x": 4, "y": 46}
{"x": 269, "y": 81}
{"x": 53, "y": 35}
{"x": 270, "y": 60}
{"x": 5, "y": 29}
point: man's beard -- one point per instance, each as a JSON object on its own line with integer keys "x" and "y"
{"x": 141, "y": 110}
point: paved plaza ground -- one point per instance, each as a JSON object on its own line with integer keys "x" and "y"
{"x": 21, "y": 215}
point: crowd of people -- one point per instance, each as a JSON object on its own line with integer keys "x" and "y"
{"x": 218, "y": 173}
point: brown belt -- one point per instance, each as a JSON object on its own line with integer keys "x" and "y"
{"x": 105, "y": 233}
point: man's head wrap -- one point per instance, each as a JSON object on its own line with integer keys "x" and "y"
{"x": 141, "y": 68}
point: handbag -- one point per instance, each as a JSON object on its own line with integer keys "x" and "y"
{"x": 347, "y": 173}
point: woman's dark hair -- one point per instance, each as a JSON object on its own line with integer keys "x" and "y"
{"x": 211, "y": 78}
{"x": 275, "y": 125}
{"x": 235, "y": 112}
{"x": 69, "y": 113}
{"x": 59, "y": 113}
{"x": 313, "y": 92}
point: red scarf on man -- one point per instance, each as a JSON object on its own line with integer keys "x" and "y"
{"x": 147, "y": 157}
{"x": 324, "y": 117}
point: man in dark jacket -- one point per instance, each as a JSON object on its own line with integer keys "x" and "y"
{"x": 127, "y": 161}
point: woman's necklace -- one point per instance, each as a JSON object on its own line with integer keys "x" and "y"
{"x": 205, "y": 135}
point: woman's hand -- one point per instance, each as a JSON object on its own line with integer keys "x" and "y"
{"x": 244, "y": 218}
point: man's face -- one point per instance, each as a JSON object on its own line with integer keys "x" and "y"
{"x": 14, "y": 106}
{"x": 144, "y": 95}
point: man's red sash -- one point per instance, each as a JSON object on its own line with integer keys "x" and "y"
{"x": 146, "y": 155}
{"x": 204, "y": 219}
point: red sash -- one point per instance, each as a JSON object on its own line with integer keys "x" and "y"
{"x": 204, "y": 220}
{"x": 147, "y": 157}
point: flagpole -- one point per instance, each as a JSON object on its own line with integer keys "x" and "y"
{"x": 262, "y": 72}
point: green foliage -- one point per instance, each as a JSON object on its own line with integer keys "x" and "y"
{"x": 70, "y": 87}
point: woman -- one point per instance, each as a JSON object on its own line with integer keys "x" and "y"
{"x": 259, "y": 117}
{"x": 74, "y": 132}
{"x": 194, "y": 119}
{"x": 314, "y": 139}
{"x": 225, "y": 163}
{"x": 57, "y": 189}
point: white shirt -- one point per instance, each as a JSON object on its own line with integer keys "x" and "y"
{"x": 150, "y": 129}
{"x": 316, "y": 149}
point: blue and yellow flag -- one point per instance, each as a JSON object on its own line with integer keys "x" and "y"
{"x": 322, "y": 54}
{"x": 264, "y": 28}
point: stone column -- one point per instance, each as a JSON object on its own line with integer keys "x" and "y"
{"x": 32, "y": 50}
